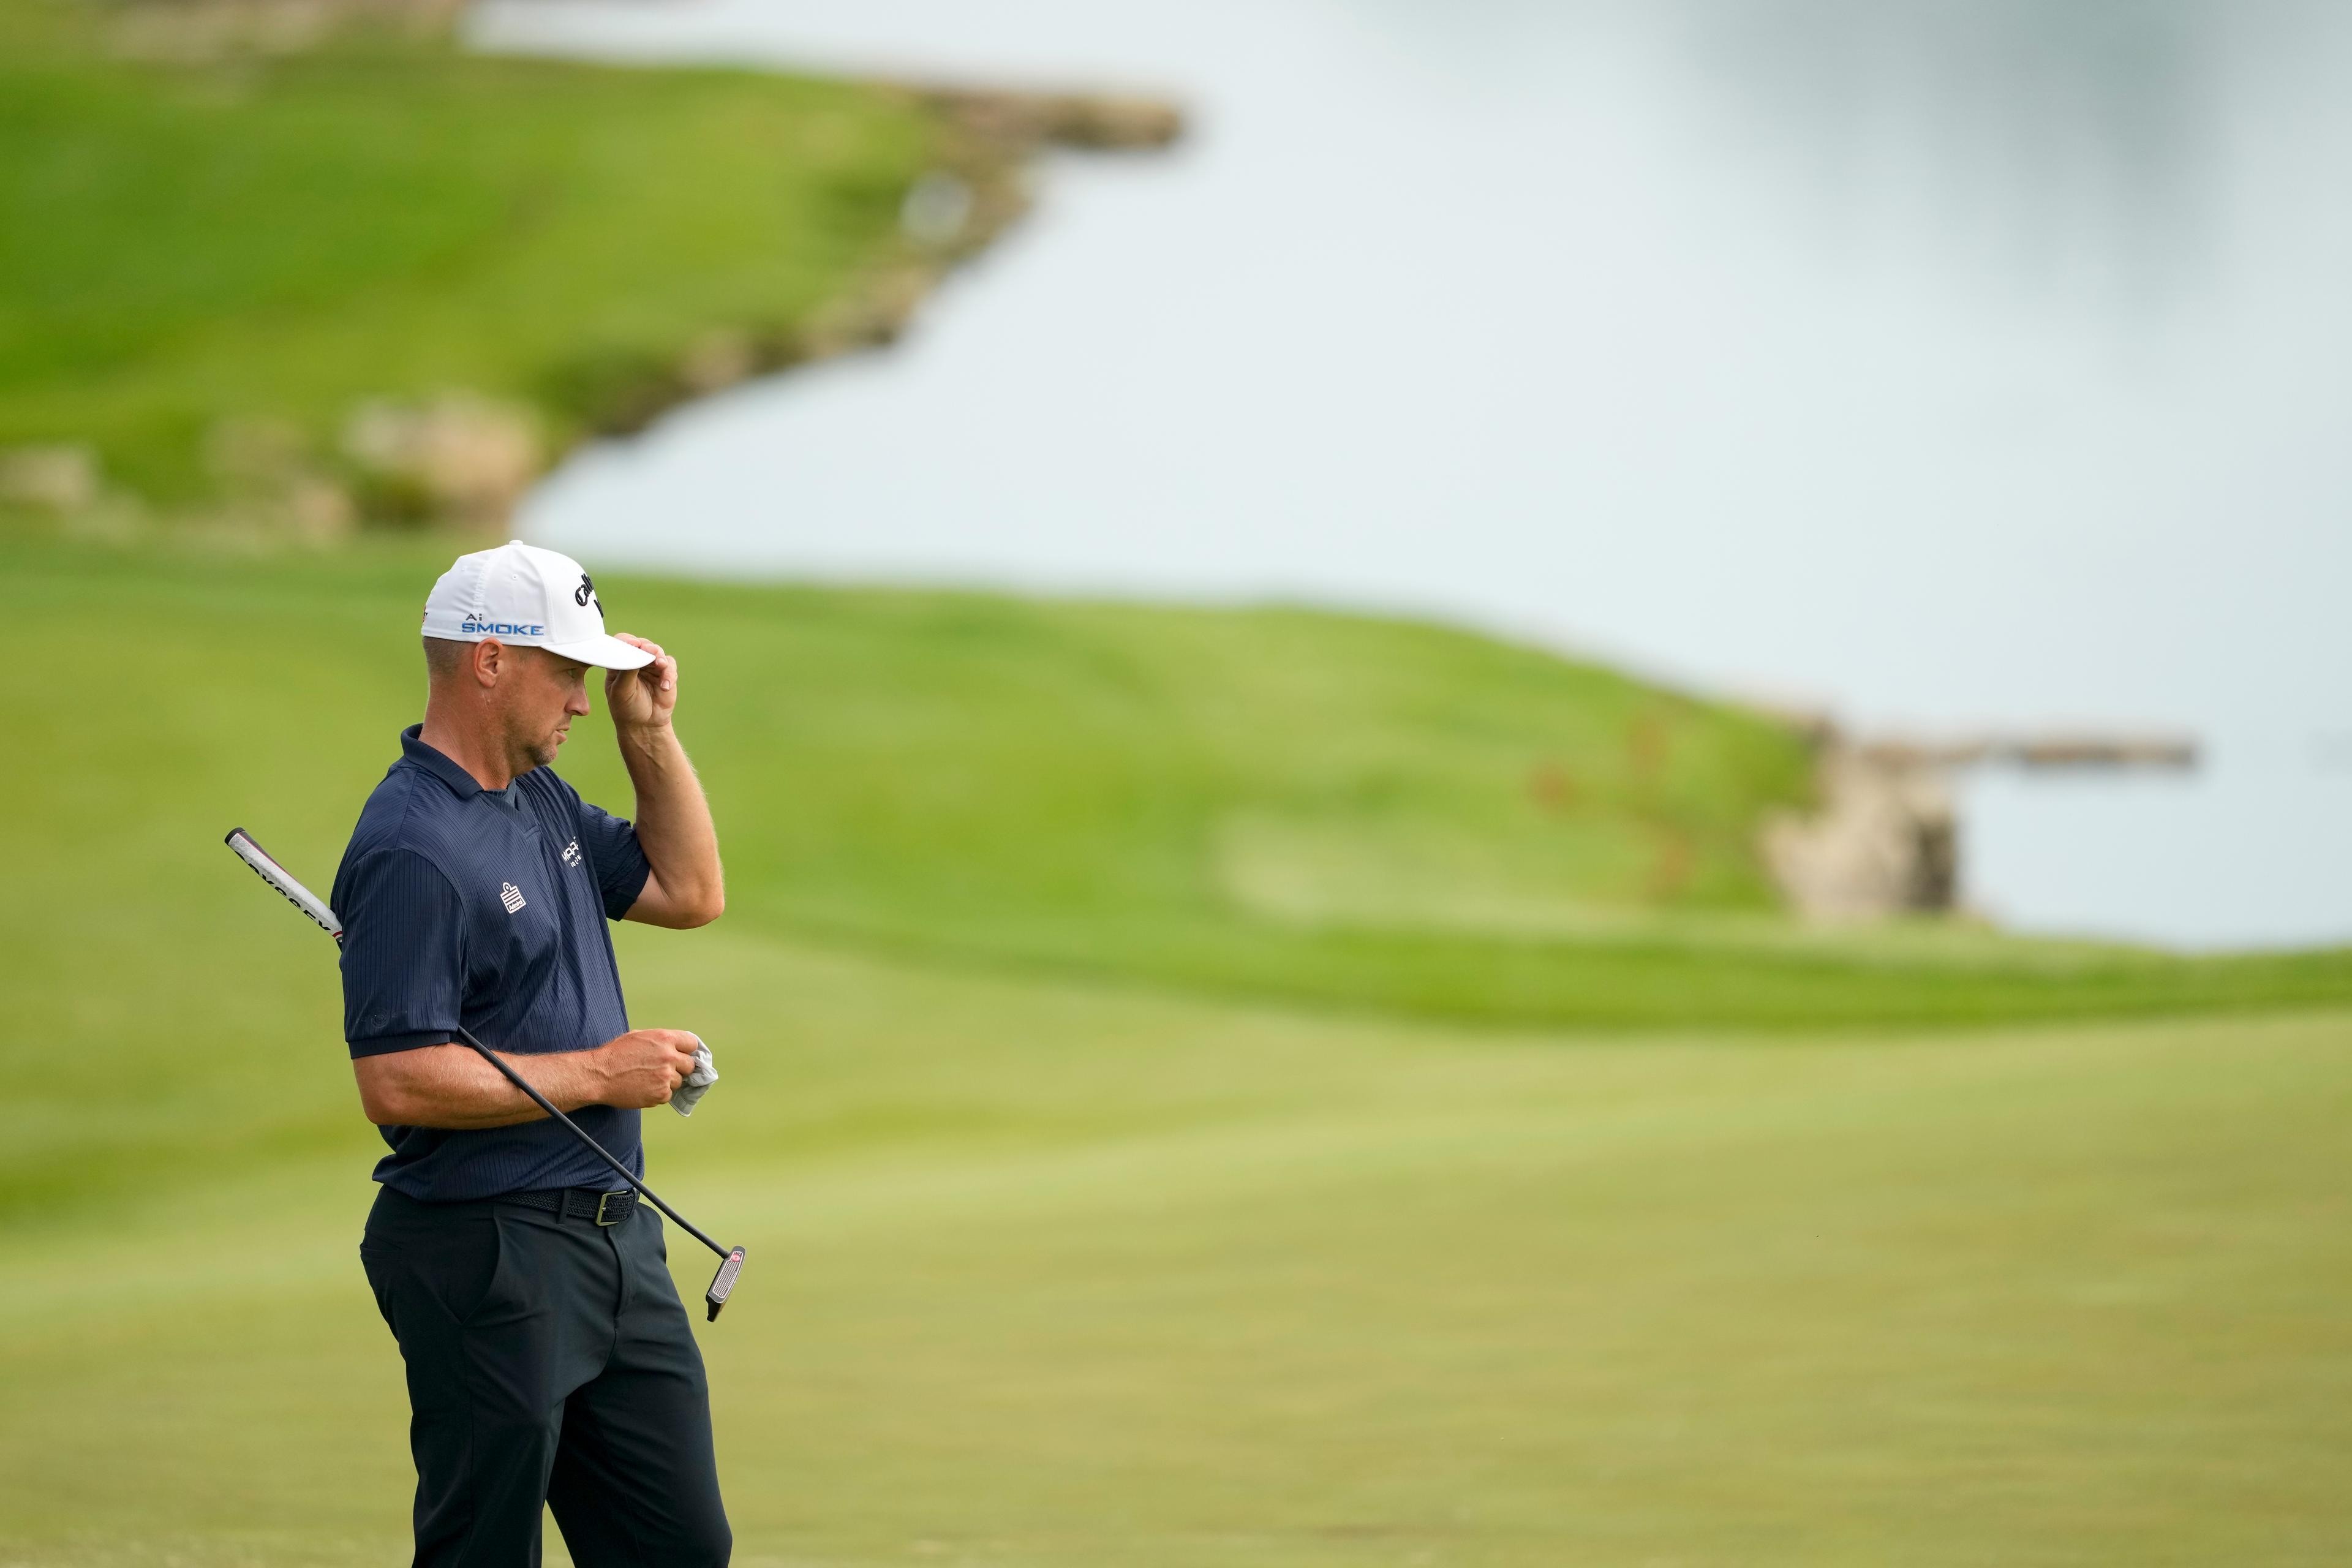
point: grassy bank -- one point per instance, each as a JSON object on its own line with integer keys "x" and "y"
{"x": 1202, "y": 1088}
{"x": 1336, "y": 815}
{"x": 210, "y": 254}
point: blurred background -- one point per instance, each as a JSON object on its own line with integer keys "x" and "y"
{"x": 1947, "y": 366}
{"x": 1503, "y": 784}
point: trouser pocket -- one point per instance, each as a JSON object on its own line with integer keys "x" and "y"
{"x": 449, "y": 1264}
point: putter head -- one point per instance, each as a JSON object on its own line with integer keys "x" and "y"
{"x": 723, "y": 1282}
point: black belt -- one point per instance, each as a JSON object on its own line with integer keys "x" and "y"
{"x": 579, "y": 1202}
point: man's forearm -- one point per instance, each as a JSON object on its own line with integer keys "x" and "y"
{"x": 451, "y": 1087}
{"x": 673, "y": 825}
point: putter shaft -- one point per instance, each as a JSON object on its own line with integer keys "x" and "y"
{"x": 731, "y": 1259}
{"x": 595, "y": 1148}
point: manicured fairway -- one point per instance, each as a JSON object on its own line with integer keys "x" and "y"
{"x": 1046, "y": 1274}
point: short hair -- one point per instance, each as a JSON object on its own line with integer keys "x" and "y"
{"x": 443, "y": 657}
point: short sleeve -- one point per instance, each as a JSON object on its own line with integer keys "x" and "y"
{"x": 403, "y": 954}
{"x": 619, "y": 860}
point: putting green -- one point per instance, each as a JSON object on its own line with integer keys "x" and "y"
{"x": 1047, "y": 1274}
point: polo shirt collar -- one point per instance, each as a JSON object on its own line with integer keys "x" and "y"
{"x": 461, "y": 782}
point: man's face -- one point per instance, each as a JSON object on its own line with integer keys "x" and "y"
{"x": 539, "y": 696}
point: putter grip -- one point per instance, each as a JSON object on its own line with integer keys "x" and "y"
{"x": 265, "y": 865}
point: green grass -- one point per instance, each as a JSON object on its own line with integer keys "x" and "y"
{"x": 273, "y": 239}
{"x": 1049, "y": 1274}
{"x": 1202, "y": 1088}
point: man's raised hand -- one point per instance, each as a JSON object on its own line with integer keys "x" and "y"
{"x": 639, "y": 697}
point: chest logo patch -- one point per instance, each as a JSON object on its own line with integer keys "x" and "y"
{"x": 511, "y": 896}
{"x": 572, "y": 853}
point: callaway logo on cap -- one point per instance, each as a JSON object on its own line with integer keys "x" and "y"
{"x": 529, "y": 597}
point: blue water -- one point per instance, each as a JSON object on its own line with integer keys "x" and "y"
{"x": 1941, "y": 364}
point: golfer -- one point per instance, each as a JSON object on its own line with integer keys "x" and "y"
{"x": 549, "y": 1358}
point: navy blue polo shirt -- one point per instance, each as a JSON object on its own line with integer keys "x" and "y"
{"x": 486, "y": 908}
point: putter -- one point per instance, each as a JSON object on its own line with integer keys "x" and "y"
{"x": 730, "y": 1265}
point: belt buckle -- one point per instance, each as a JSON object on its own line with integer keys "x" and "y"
{"x": 605, "y": 1198}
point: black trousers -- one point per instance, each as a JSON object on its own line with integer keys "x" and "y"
{"x": 550, "y": 1361}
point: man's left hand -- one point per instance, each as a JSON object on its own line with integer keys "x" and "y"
{"x": 642, "y": 699}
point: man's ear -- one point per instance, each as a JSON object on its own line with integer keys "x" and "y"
{"x": 490, "y": 660}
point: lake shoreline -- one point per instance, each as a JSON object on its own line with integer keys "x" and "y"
{"x": 521, "y": 254}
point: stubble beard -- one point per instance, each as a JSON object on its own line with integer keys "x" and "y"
{"x": 534, "y": 734}
{"x": 529, "y": 748}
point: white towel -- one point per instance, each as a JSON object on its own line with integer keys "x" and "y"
{"x": 698, "y": 1083}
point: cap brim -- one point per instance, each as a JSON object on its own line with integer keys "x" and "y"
{"x": 604, "y": 653}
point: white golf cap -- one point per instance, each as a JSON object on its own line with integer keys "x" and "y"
{"x": 526, "y": 597}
